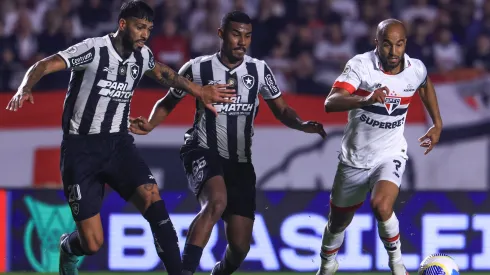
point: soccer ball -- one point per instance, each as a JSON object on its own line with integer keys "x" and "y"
{"x": 438, "y": 264}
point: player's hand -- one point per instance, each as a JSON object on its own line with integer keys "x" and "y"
{"x": 378, "y": 96}
{"x": 430, "y": 139}
{"x": 219, "y": 93}
{"x": 140, "y": 126}
{"x": 314, "y": 128}
{"x": 18, "y": 99}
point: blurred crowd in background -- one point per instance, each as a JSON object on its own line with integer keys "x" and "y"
{"x": 305, "y": 42}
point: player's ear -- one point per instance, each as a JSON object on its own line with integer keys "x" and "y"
{"x": 122, "y": 24}
{"x": 376, "y": 42}
{"x": 220, "y": 33}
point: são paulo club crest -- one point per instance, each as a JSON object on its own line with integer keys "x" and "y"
{"x": 392, "y": 103}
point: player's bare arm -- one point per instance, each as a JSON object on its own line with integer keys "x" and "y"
{"x": 207, "y": 94}
{"x": 428, "y": 95}
{"x": 340, "y": 100}
{"x": 50, "y": 64}
{"x": 288, "y": 116}
{"x": 162, "y": 108}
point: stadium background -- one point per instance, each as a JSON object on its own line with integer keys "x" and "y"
{"x": 444, "y": 205}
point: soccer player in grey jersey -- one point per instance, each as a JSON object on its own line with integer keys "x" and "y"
{"x": 217, "y": 150}
{"x": 96, "y": 147}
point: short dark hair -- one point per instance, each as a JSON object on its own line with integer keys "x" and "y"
{"x": 235, "y": 16}
{"x": 136, "y": 8}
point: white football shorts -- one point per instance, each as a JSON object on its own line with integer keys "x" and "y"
{"x": 351, "y": 184}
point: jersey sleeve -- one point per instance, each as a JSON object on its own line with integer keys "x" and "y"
{"x": 351, "y": 77}
{"x": 185, "y": 71}
{"x": 421, "y": 71}
{"x": 149, "y": 62}
{"x": 80, "y": 55}
{"x": 268, "y": 86}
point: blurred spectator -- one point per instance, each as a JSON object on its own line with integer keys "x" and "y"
{"x": 320, "y": 35}
{"x": 205, "y": 40}
{"x": 304, "y": 71}
{"x": 51, "y": 39}
{"x": 419, "y": 44}
{"x": 169, "y": 47}
{"x": 332, "y": 53}
{"x": 447, "y": 53}
{"x": 419, "y": 8}
{"x": 24, "y": 39}
{"x": 479, "y": 56}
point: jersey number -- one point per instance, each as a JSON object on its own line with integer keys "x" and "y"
{"x": 74, "y": 193}
{"x": 398, "y": 164}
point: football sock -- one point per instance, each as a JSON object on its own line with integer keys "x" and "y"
{"x": 166, "y": 241}
{"x": 72, "y": 245}
{"x": 331, "y": 244}
{"x": 229, "y": 263}
{"x": 191, "y": 257}
{"x": 389, "y": 232}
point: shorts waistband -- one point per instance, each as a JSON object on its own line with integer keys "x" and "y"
{"x": 96, "y": 136}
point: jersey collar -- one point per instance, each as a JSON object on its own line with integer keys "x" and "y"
{"x": 219, "y": 64}
{"x": 377, "y": 62}
{"x": 113, "y": 51}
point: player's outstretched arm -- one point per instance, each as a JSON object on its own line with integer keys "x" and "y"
{"x": 43, "y": 67}
{"x": 427, "y": 93}
{"x": 162, "y": 108}
{"x": 288, "y": 116}
{"x": 340, "y": 100}
{"x": 207, "y": 94}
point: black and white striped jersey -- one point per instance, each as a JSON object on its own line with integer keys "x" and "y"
{"x": 230, "y": 133}
{"x": 101, "y": 86}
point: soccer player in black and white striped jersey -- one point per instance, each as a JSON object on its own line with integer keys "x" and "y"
{"x": 217, "y": 151}
{"x": 97, "y": 147}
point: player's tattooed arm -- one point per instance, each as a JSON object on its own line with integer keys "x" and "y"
{"x": 208, "y": 94}
{"x": 288, "y": 116}
{"x": 168, "y": 77}
{"x": 51, "y": 64}
{"x": 428, "y": 96}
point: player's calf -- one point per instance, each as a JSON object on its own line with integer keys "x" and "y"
{"x": 382, "y": 201}
{"x": 147, "y": 200}
{"x": 213, "y": 200}
{"x": 333, "y": 236}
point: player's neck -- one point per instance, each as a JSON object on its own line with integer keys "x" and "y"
{"x": 230, "y": 64}
{"x": 118, "y": 44}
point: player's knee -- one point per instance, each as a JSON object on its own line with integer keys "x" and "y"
{"x": 145, "y": 196}
{"x": 382, "y": 208}
{"x": 92, "y": 244}
{"x": 215, "y": 207}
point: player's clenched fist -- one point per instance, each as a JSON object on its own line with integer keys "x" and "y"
{"x": 140, "y": 126}
{"x": 378, "y": 96}
{"x": 18, "y": 99}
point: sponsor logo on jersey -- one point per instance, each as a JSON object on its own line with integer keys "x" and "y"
{"x": 115, "y": 90}
{"x": 392, "y": 103}
{"x": 248, "y": 81}
{"x": 237, "y": 108}
{"x": 269, "y": 80}
{"x": 409, "y": 89}
{"x": 151, "y": 62}
{"x": 382, "y": 125}
{"x": 82, "y": 59}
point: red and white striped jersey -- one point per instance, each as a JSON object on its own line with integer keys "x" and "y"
{"x": 375, "y": 132}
